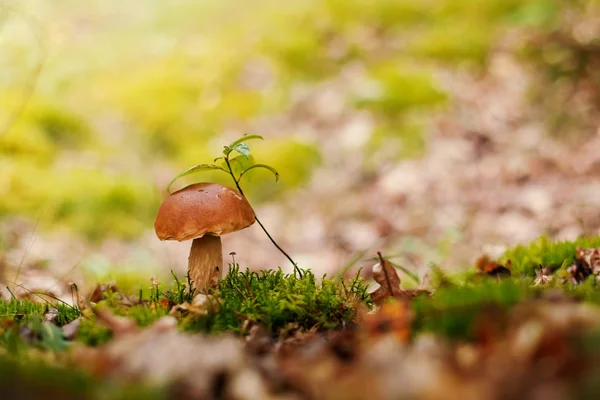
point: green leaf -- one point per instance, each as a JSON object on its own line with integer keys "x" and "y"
{"x": 232, "y": 146}
{"x": 239, "y": 164}
{"x": 243, "y": 149}
{"x": 52, "y": 337}
{"x": 195, "y": 168}
{"x": 242, "y": 161}
{"x": 273, "y": 170}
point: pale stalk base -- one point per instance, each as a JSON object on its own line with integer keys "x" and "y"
{"x": 206, "y": 262}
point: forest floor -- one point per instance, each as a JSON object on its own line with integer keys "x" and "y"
{"x": 454, "y": 306}
{"x": 527, "y": 328}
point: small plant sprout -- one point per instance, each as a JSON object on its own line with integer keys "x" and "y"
{"x": 234, "y": 217}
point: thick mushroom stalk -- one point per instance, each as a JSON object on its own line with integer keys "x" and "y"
{"x": 206, "y": 262}
{"x": 203, "y": 212}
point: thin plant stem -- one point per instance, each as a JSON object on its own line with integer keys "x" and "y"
{"x": 237, "y": 184}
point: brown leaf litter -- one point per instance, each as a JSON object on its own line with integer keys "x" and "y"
{"x": 489, "y": 267}
{"x": 387, "y": 277}
{"x": 193, "y": 366}
{"x": 534, "y": 351}
{"x": 587, "y": 262}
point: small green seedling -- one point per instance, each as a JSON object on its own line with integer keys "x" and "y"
{"x": 237, "y": 167}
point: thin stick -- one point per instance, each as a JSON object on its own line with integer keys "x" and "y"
{"x": 237, "y": 184}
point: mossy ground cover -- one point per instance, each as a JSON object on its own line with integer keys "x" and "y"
{"x": 274, "y": 299}
{"x": 460, "y": 308}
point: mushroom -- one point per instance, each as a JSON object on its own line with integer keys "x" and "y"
{"x": 203, "y": 212}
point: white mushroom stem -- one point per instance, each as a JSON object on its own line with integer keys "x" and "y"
{"x": 206, "y": 262}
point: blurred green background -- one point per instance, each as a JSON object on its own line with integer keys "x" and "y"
{"x": 102, "y": 102}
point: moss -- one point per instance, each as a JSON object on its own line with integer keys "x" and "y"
{"x": 588, "y": 291}
{"x": 457, "y": 311}
{"x": 526, "y": 259}
{"x": 33, "y": 379}
{"x": 463, "y": 303}
{"x": 271, "y": 298}
{"x": 455, "y": 43}
{"x": 145, "y": 315}
{"x": 63, "y": 128}
{"x": 24, "y": 310}
{"x": 92, "y": 333}
{"x": 181, "y": 292}
{"x": 27, "y": 141}
{"x": 275, "y": 299}
{"x": 401, "y": 88}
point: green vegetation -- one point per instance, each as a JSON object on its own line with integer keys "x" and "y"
{"x": 471, "y": 307}
{"x": 35, "y": 379}
{"x": 80, "y": 152}
{"x": 271, "y": 298}
{"x": 22, "y": 310}
{"x": 455, "y": 311}
{"x": 461, "y": 303}
{"x": 274, "y": 299}
{"x": 526, "y": 259}
{"x": 277, "y": 300}
{"x": 97, "y": 110}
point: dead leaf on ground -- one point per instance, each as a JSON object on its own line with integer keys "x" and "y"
{"x": 192, "y": 366}
{"x": 387, "y": 277}
{"x": 202, "y": 304}
{"x": 587, "y": 262}
{"x": 51, "y": 315}
{"x": 392, "y": 319}
{"x": 98, "y": 292}
{"x": 70, "y": 330}
{"x": 120, "y": 326}
{"x": 492, "y": 268}
{"x": 590, "y": 258}
{"x": 543, "y": 276}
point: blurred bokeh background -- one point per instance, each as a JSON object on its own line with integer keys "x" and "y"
{"x": 433, "y": 130}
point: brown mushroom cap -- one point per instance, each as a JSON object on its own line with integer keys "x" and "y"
{"x": 200, "y": 209}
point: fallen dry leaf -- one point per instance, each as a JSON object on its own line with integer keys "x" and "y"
{"x": 51, "y": 315}
{"x": 386, "y": 275}
{"x": 590, "y": 258}
{"x": 192, "y": 366}
{"x": 202, "y": 304}
{"x": 543, "y": 276}
{"x": 490, "y": 267}
{"x": 587, "y": 262}
{"x": 100, "y": 289}
{"x": 120, "y": 326}
{"x": 393, "y": 318}
{"x": 70, "y": 330}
